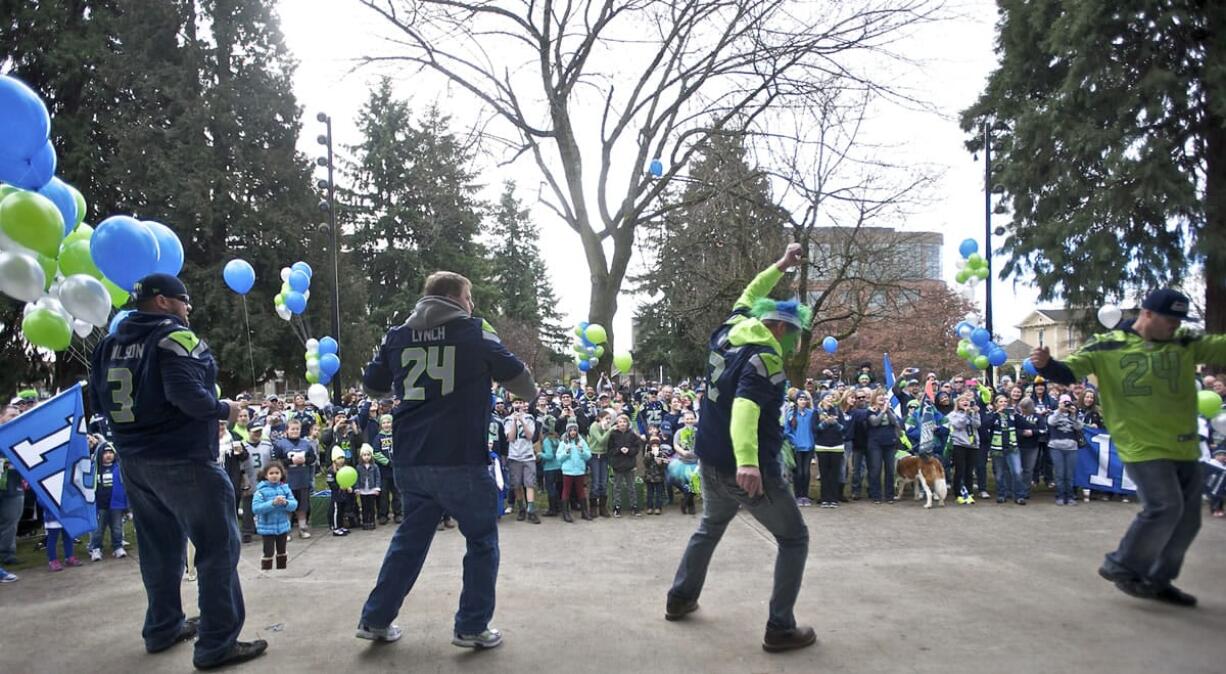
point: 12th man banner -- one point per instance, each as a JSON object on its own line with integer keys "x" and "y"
{"x": 1099, "y": 466}
{"x": 48, "y": 447}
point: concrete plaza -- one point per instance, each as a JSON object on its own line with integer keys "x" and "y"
{"x": 986, "y": 588}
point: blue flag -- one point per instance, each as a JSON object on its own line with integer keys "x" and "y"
{"x": 889, "y": 382}
{"x": 48, "y": 447}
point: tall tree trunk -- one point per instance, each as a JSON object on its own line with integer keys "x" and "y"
{"x": 1213, "y": 236}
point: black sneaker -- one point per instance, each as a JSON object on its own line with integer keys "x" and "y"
{"x": 1169, "y": 594}
{"x": 532, "y": 517}
{"x": 800, "y": 636}
{"x": 186, "y": 633}
{"x": 523, "y": 515}
{"x": 241, "y": 651}
{"x": 676, "y": 609}
{"x": 1020, "y": 501}
{"x": 398, "y": 519}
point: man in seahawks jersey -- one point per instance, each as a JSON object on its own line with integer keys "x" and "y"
{"x": 1146, "y": 376}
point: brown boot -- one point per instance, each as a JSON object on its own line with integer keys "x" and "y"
{"x": 281, "y": 560}
{"x": 266, "y": 563}
{"x": 800, "y": 636}
{"x": 587, "y": 512}
{"x": 566, "y": 513}
{"x": 603, "y": 506}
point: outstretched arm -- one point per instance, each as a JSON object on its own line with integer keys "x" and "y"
{"x": 765, "y": 281}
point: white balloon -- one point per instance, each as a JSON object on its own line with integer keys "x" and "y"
{"x": 971, "y": 352}
{"x": 959, "y": 264}
{"x": 82, "y": 328}
{"x": 52, "y": 304}
{"x": 318, "y": 395}
{"x": 972, "y": 318}
{"x": 28, "y": 309}
{"x": 1109, "y": 315}
{"x": 1219, "y": 423}
{"x": 86, "y": 298}
{"x": 306, "y": 295}
{"x": 312, "y": 344}
{"x": 313, "y": 366}
{"x": 973, "y": 281}
{"x": 284, "y": 313}
{"x": 965, "y": 331}
{"x": 285, "y": 274}
{"x": 21, "y": 277}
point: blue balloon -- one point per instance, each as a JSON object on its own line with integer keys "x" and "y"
{"x": 329, "y": 364}
{"x": 830, "y": 344}
{"x": 29, "y": 173}
{"x": 584, "y": 366}
{"x": 997, "y": 357}
{"x": 124, "y": 250}
{"x": 24, "y": 118}
{"x": 239, "y": 276}
{"x": 979, "y": 337}
{"x": 657, "y": 168}
{"x": 327, "y": 345}
{"x": 170, "y": 250}
{"x": 119, "y": 316}
{"x": 57, "y": 191}
{"x": 295, "y": 302}
{"x": 968, "y": 247}
{"x": 299, "y": 281}
{"x": 325, "y": 379}
{"x": 1028, "y": 368}
{"x": 303, "y": 267}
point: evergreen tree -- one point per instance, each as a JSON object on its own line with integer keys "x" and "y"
{"x": 412, "y": 206}
{"x": 520, "y": 274}
{"x": 1109, "y": 124}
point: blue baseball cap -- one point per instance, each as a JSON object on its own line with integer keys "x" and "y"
{"x": 1167, "y": 302}
{"x": 153, "y": 285}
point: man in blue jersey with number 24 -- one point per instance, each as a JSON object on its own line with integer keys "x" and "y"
{"x": 440, "y": 364}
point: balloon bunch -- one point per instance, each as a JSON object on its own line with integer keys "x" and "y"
{"x": 322, "y": 363}
{"x": 972, "y": 268}
{"x": 589, "y": 345}
{"x": 295, "y": 290}
{"x": 68, "y": 273}
{"x": 976, "y": 346}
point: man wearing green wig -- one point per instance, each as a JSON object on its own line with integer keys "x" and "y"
{"x": 738, "y": 441}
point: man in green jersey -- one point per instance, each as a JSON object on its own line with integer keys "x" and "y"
{"x": 1146, "y": 377}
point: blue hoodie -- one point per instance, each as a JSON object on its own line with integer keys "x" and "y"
{"x": 272, "y": 519}
{"x": 155, "y": 383}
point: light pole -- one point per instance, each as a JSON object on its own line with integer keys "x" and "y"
{"x": 330, "y": 207}
{"x": 987, "y": 234}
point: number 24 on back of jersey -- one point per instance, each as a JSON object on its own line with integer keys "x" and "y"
{"x": 437, "y": 363}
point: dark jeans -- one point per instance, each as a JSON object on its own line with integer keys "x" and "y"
{"x": 1007, "y": 467}
{"x": 965, "y": 460}
{"x": 881, "y": 470}
{"x": 344, "y": 507}
{"x": 173, "y": 500}
{"x": 248, "y": 520}
{"x": 11, "y": 507}
{"x": 776, "y": 510}
{"x": 655, "y": 495}
{"x": 368, "y": 508}
{"x": 1030, "y": 459}
{"x": 1155, "y": 544}
{"x": 553, "y": 487}
{"x": 1064, "y": 465}
{"x": 54, "y": 536}
{"x": 828, "y": 464}
{"x": 803, "y": 473}
{"x": 108, "y": 520}
{"x": 470, "y": 495}
{"x": 857, "y": 469}
{"x": 389, "y": 497}
{"x": 599, "y": 465}
{"x": 981, "y": 469}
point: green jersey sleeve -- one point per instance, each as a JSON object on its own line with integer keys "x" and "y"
{"x": 1209, "y": 349}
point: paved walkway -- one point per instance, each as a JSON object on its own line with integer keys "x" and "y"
{"x": 987, "y": 588}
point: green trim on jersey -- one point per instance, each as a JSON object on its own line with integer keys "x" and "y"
{"x": 744, "y": 431}
{"x": 1148, "y": 390}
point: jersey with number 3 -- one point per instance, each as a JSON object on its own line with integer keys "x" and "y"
{"x": 442, "y": 375}
{"x": 1148, "y": 390}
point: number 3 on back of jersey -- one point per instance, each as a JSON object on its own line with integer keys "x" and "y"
{"x": 121, "y": 394}
{"x": 436, "y": 362}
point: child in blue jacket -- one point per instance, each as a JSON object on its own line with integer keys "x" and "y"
{"x": 273, "y": 503}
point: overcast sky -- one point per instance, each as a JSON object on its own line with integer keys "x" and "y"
{"x": 954, "y": 58}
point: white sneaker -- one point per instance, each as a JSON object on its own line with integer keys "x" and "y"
{"x": 95, "y": 555}
{"x": 303, "y": 533}
{"x": 490, "y": 638}
{"x": 388, "y": 634}
{"x": 121, "y": 553}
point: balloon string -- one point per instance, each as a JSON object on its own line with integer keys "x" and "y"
{"x": 250, "y": 355}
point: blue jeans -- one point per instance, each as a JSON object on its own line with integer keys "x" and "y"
{"x": 776, "y": 510}
{"x": 599, "y": 465}
{"x": 1064, "y": 466}
{"x": 174, "y": 500}
{"x": 108, "y": 520}
{"x": 470, "y": 495}
{"x": 1007, "y": 466}
{"x": 1030, "y": 458}
{"x": 881, "y": 470}
{"x": 1155, "y": 544}
{"x": 11, "y": 507}
{"x": 854, "y": 464}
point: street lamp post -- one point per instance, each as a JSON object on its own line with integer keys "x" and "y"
{"x": 330, "y": 207}
{"x": 987, "y": 234}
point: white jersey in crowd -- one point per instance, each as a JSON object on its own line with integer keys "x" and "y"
{"x": 519, "y": 447}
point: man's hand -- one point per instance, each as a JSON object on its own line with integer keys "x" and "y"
{"x": 1040, "y": 357}
{"x": 234, "y": 407}
{"x": 749, "y": 478}
{"x": 791, "y": 257}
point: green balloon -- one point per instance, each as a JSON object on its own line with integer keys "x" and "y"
{"x": 963, "y": 353}
{"x": 75, "y": 258}
{"x": 623, "y": 362}
{"x": 982, "y": 273}
{"x": 119, "y": 296}
{"x": 963, "y": 276}
{"x": 579, "y": 349}
{"x": 284, "y": 288}
{"x": 599, "y": 351}
{"x": 312, "y": 378}
{"x": 1209, "y": 404}
{"x": 981, "y": 362}
{"x": 578, "y": 331}
{"x": 49, "y": 266}
{"x": 6, "y": 190}
{"x": 346, "y": 477}
{"x": 83, "y": 232}
{"x": 80, "y": 200}
{"x": 279, "y": 300}
{"x": 596, "y": 334}
{"x": 48, "y": 329}
{"x": 974, "y": 261}
{"x": 33, "y": 221}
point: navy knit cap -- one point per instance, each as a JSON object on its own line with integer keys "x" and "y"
{"x": 159, "y": 284}
{"x": 1168, "y": 302}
